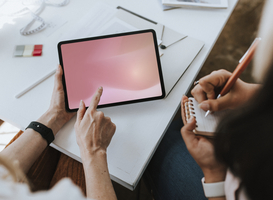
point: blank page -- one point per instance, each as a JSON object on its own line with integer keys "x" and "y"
{"x": 205, "y": 124}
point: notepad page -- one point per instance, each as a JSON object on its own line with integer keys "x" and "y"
{"x": 205, "y": 124}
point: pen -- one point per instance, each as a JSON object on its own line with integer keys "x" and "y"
{"x": 244, "y": 61}
{"x": 35, "y": 84}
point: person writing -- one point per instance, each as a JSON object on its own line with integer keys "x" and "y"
{"x": 240, "y": 155}
{"x": 94, "y": 132}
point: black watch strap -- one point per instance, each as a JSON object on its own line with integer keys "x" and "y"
{"x": 45, "y": 132}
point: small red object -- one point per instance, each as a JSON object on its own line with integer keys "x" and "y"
{"x": 37, "y": 50}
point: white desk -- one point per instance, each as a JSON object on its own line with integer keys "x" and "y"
{"x": 140, "y": 127}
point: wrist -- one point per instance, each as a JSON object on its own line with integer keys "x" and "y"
{"x": 52, "y": 121}
{"x": 93, "y": 154}
{"x": 93, "y": 157}
{"x": 212, "y": 176}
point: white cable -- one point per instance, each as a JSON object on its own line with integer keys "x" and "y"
{"x": 35, "y": 14}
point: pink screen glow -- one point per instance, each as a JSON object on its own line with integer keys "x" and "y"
{"x": 126, "y": 67}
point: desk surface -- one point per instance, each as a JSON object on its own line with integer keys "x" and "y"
{"x": 140, "y": 127}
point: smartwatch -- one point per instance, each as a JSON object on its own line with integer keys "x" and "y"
{"x": 213, "y": 189}
{"x": 44, "y": 131}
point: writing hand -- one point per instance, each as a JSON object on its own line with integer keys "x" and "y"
{"x": 205, "y": 92}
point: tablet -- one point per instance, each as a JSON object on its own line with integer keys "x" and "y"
{"x": 126, "y": 65}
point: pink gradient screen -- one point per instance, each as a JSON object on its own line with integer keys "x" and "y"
{"x": 125, "y": 66}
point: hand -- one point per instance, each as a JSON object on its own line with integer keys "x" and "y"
{"x": 94, "y": 131}
{"x": 205, "y": 94}
{"x": 202, "y": 150}
{"x": 56, "y": 116}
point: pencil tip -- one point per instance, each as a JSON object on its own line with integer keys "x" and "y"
{"x": 207, "y": 113}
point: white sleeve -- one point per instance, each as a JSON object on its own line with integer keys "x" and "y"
{"x": 63, "y": 190}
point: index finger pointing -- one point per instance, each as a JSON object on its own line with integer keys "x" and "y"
{"x": 96, "y": 99}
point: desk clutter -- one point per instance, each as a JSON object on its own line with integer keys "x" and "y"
{"x": 28, "y": 50}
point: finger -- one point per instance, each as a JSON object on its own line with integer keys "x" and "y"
{"x": 199, "y": 94}
{"x": 215, "y": 80}
{"x": 107, "y": 118}
{"x": 81, "y": 112}
{"x": 58, "y": 78}
{"x": 216, "y": 104}
{"x": 183, "y": 113}
{"x": 111, "y": 125}
{"x": 187, "y": 132}
{"x": 95, "y": 99}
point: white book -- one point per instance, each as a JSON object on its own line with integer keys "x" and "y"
{"x": 196, "y": 3}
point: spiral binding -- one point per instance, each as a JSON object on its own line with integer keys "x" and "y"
{"x": 189, "y": 110}
{"x": 35, "y": 15}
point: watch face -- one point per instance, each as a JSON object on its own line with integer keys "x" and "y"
{"x": 126, "y": 65}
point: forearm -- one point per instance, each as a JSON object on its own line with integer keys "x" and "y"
{"x": 30, "y": 145}
{"x": 98, "y": 182}
{"x": 25, "y": 149}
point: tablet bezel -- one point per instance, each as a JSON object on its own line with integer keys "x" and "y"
{"x": 111, "y": 36}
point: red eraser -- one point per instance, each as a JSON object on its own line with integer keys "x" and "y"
{"x": 37, "y": 52}
{"x": 38, "y": 46}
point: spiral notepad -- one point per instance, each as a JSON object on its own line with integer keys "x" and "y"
{"x": 204, "y": 125}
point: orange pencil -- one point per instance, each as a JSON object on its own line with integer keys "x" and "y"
{"x": 243, "y": 63}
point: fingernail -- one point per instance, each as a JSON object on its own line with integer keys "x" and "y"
{"x": 81, "y": 103}
{"x": 204, "y": 106}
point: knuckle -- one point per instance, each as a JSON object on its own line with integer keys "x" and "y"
{"x": 193, "y": 91}
{"x": 202, "y": 81}
{"x": 224, "y": 72}
{"x": 59, "y": 87}
{"x": 107, "y": 118}
{"x": 100, "y": 114}
{"x": 92, "y": 112}
{"x": 114, "y": 126}
{"x": 97, "y": 98}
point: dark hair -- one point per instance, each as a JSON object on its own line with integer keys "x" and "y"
{"x": 244, "y": 142}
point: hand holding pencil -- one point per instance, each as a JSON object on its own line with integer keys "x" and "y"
{"x": 235, "y": 92}
{"x": 243, "y": 63}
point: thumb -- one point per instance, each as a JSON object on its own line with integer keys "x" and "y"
{"x": 58, "y": 78}
{"x": 187, "y": 131}
{"x": 81, "y": 112}
{"x": 216, "y": 104}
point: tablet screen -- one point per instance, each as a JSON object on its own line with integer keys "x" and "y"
{"x": 126, "y": 65}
